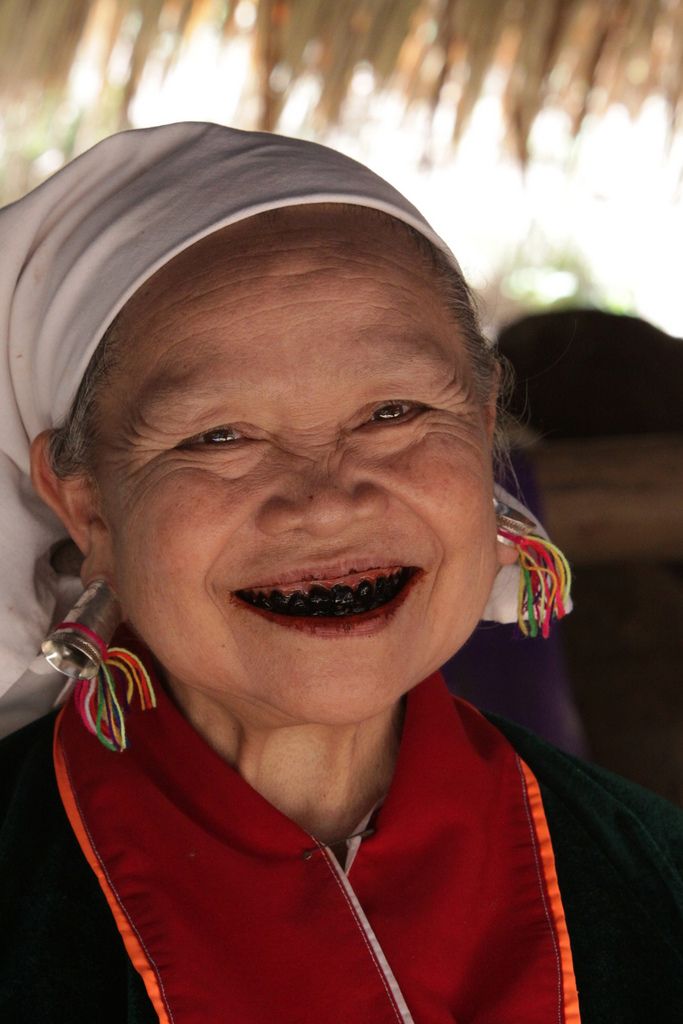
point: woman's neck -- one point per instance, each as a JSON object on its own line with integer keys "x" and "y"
{"x": 325, "y": 778}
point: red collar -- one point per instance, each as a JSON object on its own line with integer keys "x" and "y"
{"x": 450, "y": 911}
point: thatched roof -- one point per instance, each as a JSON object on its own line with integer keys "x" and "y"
{"x": 580, "y": 55}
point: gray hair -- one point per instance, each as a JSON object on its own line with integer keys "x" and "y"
{"x": 72, "y": 444}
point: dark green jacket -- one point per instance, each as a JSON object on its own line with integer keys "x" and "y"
{"x": 619, "y": 860}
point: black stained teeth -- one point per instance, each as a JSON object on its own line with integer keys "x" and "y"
{"x": 343, "y": 599}
{"x": 278, "y": 601}
{"x": 339, "y": 600}
{"x": 321, "y": 600}
{"x": 298, "y": 604}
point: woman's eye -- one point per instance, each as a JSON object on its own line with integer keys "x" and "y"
{"x": 228, "y": 437}
{"x": 219, "y": 437}
{"x": 395, "y": 411}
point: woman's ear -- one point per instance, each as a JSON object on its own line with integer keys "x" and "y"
{"x": 75, "y": 500}
{"x": 506, "y": 553}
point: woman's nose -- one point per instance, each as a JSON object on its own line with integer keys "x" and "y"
{"x": 323, "y": 507}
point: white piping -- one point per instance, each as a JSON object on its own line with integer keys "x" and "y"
{"x": 403, "y": 1014}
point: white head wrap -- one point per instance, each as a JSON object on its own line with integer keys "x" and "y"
{"x": 74, "y": 250}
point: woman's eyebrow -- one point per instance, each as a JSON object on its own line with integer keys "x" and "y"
{"x": 420, "y": 368}
{"x": 170, "y": 389}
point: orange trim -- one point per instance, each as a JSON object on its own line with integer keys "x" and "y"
{"x": 545, "y": 846}
{"x": 134, "y": 948}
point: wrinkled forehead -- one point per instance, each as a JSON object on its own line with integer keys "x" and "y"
{"x": 308, "y": 238}
{"x": 264, "y": 281}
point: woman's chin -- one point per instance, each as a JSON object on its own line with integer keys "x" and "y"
{"x": 323, "y": 691}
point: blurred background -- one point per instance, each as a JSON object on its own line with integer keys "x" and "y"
{"x": 543, "y": 139}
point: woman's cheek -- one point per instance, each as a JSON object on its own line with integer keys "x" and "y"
{"x": 172, "y": 531}
{"x": 447, "y": 474}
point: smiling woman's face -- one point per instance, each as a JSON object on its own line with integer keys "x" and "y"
{"x": 295, "y": 395}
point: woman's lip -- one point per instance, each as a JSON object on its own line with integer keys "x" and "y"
{"x": 365, "y": 624}
{"x": 331, "y": 572}
{"x": 351, "y": 579}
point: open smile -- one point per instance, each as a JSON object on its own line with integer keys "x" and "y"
{"x": 336, "y": 601}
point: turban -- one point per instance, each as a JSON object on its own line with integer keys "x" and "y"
{"x": 74, "y": 250}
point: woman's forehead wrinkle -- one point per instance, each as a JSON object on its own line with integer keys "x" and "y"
{"x": 298, "y": 244}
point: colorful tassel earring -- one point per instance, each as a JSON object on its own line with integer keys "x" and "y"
{"x": 545, "y": 576}
{"x": 78, "y": 647}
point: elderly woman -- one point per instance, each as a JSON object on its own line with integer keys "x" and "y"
{"x": 246, "y": 377}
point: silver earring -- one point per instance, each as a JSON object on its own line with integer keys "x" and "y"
{"x": 511, "y": 520}
{"x": 107, "y": 678}
{"x": 77, "y": 646}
